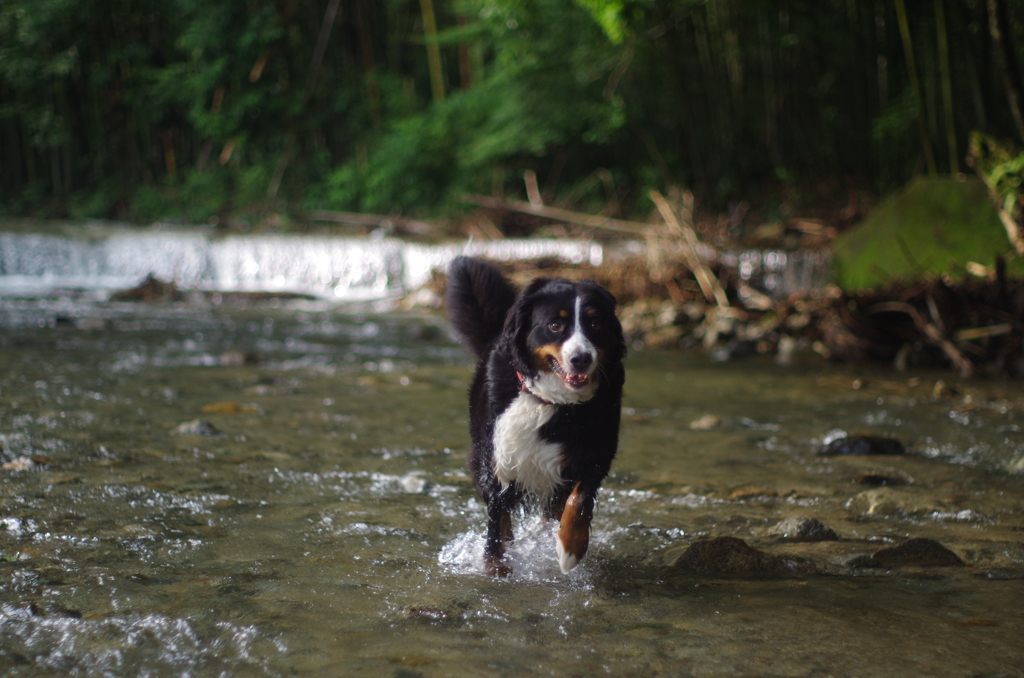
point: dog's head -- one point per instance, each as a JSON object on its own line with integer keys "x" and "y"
{"x": 563, "y": 336}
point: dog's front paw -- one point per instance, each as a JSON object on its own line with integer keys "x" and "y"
{"x": 574, "y": 529}
{"x": 566, "y": 560}
{"x": 497, "y": 566}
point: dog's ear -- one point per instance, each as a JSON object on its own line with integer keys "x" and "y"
{"x": 601, "y": 293}
{"x": 614, "y": 327}
{"x": 517, "y": 325}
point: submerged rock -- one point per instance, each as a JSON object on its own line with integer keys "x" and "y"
{"x": 705, "y": 423}
{"x": 197, "y": 427}
{"x": 885, "y": 501}
{"x": 882, "y": 477}
{"x": 727, "y": 555}
{"x": 231, "y": 407}
{"x": 152, "y": 290}
{"x": 918, "y": 552}
{"x": 20, "y": 464}
{"x": 753, "y": 492}
{"x": 414, "y": 483}
{"x": 802, "y": 528}
{"x": 863, "y": 445}
{"x": 236, "y": 358}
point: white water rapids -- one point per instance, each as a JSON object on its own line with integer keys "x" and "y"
{"x": 41, "y": 259}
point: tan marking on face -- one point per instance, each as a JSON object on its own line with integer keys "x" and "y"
{"x": 542, "y": 354}
{"x": 563, "y": 313}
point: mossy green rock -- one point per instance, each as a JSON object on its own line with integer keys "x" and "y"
{"x": 932, "y": 226}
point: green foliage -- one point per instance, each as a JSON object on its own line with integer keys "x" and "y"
{"x": 199, "y": 197}
{"x": 191, "y": 108}
{"x": 893, "y": 134}
{"x": 608, "y": 15}
{"x": 1001, "y": 166}
{"x": 932, "y": 226}
{"x": 545, "y": 56}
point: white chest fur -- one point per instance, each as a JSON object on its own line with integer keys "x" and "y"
{"x": 520, "y": 454}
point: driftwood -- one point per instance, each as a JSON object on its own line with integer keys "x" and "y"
{"x": 709, "y": 285}
{"x": 975, "y": 326}
{"x": 361, "y": 219}
{"x": 680, "y": 294}
{"x": 930, "y": 332}
{"x": 559, "y": 214}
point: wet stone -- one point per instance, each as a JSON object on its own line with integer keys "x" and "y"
{"x": 863, "y": 445}
{"x": 197, "y": 427}
{"x": 20, "y": 464}
{"x": 884, "y": 501}
{"x": 876, "y": 478}
{"x": 235, "y": 358}
{"x": 753, "y": 492}
{"x": 431, "y": 613}
{"x": 802, "y": 528}
{"x": 231, "y": 407}
{"x": 414, "y": 483}
{"x": 705, "y": 423}
{"x": 919, "y": 552}
{"x": 727, "y": 555}
{"x": 152, "y": 290}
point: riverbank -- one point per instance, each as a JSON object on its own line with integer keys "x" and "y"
{"x": 681, "y": 282}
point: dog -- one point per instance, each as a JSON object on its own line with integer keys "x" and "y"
{"x": 545, "y": 401}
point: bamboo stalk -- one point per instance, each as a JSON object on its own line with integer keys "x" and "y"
{"x": 433, "y": 51}
{"x": 1007, "y": 62}
{"x": 321, "y": 47}
{"x": 465, "y": 72}
{"x": 278, "y": 176}
{"x": 368, "y": 62}
{"x": 771, "y": 123}
{"x": 915, "y": 85}
{"x": 947, "y": 87}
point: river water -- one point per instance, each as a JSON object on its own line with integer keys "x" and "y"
{"x": 278, "y": 489}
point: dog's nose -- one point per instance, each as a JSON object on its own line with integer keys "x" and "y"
{"x": 581, "y": 362}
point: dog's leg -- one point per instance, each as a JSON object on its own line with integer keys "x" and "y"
{"x": 499, "y": 533}
{"x": 574, "y": 530}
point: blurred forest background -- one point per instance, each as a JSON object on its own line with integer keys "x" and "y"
{"x": 203, "y": 110}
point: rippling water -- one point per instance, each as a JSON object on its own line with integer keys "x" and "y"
{"x": 319, "y": 521}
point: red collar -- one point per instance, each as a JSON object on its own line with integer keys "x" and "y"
{"x": 522, "y": 387}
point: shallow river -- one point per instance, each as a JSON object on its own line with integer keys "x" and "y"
{"x": 317, "y": 519}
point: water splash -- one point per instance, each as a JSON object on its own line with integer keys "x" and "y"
{"x": 531, "y": 555}
{"x": 137, "y": 643}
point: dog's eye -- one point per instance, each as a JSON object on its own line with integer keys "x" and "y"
{"x": 594, "y": 324}
{"x": 556, "y": 326}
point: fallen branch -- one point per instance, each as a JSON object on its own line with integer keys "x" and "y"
{"x": 713, "y": 292}
{"x": 558, "y": 214}
{"x": 971, "y": 333}
{"x": 360, "y": 219}
{"x": 964, "y": 366}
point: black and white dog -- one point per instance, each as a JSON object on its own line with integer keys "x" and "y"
{"x": 545, "y": 402}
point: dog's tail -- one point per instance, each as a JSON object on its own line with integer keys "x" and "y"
{"x": 478, "y": 299}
